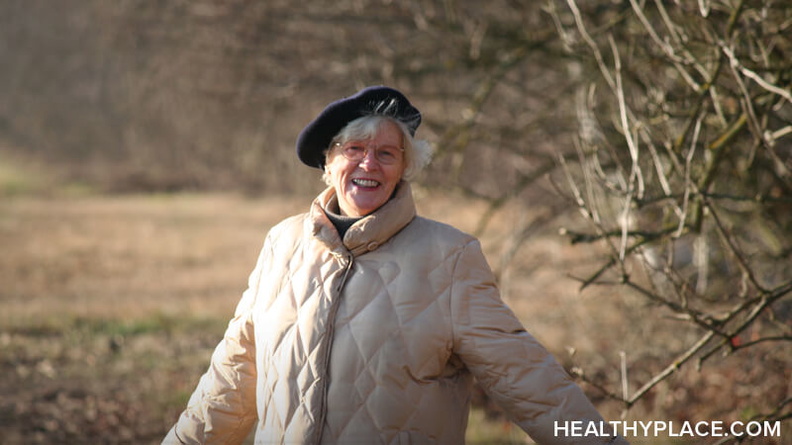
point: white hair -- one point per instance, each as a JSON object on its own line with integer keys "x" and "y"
{"x": 417, "y": 152}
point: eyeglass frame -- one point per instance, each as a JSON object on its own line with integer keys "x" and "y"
{"x": 366, "y": 148}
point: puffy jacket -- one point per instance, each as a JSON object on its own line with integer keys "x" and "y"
{"x": 371, "y": 339}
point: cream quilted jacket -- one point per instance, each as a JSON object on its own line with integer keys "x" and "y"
{"x": 373, "y": 339}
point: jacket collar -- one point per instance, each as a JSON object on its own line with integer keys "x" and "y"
{"x": 372, "y": 230}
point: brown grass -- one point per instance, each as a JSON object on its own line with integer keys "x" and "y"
{"x": 128, "y": 257}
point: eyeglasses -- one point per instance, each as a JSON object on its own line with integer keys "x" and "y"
{"x": 357, "y": 151}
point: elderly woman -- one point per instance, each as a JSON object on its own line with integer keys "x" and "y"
{"x": 365, "y": 324}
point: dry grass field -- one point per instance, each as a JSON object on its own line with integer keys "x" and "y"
{"x": 110, "y": 307}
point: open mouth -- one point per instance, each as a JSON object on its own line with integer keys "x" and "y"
{"x": 367, "y": 183}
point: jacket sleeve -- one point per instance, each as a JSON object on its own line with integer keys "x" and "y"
{"x": 511, "y": 365}
{"x": 222, "y": 409}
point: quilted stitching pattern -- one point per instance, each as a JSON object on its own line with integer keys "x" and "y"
{"x": 382, "y": 357}
{"x": 394, "y": 337}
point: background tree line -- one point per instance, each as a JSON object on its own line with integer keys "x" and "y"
{"x": 658, "y": 134}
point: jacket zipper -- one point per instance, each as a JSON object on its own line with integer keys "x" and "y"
{"x": 347, "y": 269}
{"x": 329, "y": 344}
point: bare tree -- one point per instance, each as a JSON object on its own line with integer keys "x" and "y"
{"x": 684, "y": 174}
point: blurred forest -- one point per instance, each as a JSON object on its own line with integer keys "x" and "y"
{"x": 656, "y": 136}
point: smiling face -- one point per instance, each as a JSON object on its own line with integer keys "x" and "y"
{"x": 364, "y": 186}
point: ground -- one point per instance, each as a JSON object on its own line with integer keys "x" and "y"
{"x": 110, "y": 306}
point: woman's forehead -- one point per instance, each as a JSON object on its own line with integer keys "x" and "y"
{"x": 384, "y": 129}
{"x": 388, "y": 130}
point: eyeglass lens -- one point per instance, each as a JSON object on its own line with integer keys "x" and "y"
{"x": 358, "y": 151}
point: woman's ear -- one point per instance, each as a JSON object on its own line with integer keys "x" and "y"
{"x": 326, "y": 174}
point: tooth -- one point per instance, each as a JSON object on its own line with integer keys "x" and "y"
{"x": 366, "y": 182}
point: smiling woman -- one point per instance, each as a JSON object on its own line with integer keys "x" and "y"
{"x": 364, "y": 323}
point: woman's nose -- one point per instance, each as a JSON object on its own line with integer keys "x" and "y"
{"x": 369, "y": 159}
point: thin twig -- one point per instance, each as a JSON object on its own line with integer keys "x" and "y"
{"x": 671, "y": 368}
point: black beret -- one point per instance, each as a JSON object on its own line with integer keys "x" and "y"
{"x": 315, "y": 138}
